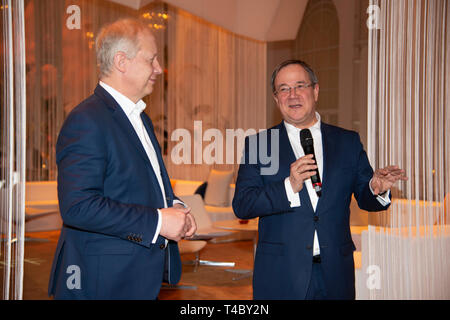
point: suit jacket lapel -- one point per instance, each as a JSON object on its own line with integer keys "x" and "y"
{"x": 122, "y": 120}
{"x": 287, "y": 157}
{"x": 164, "y": 175}
{"x": 328, "y": 147}
{"x": 125, "y": 125}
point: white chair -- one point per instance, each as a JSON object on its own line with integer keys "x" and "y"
{"x": 216, "y": 213}
{"x": 185, "y": 247}
{"x": 192, "y": 246}
{"x": 221, "y": 213}
{"x": 205, "y": 228}
{"x": 218, "y": 195}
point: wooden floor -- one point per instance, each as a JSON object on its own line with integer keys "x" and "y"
{"x": 210, "y": 283}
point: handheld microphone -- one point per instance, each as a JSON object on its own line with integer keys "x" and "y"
{"x": 307, "y": 143}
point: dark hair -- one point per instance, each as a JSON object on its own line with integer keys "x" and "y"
{"x": 312, "y": 75}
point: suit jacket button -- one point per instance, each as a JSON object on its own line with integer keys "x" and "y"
{"x": 316, "y": 218}
{"x": 162, "y": 246}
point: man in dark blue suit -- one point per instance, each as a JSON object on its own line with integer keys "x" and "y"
{"x": 305, "y": 249}
{"x": 121, "y": 218}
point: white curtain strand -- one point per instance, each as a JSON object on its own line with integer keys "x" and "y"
{"x": 12, "y": 176}
{"x": 408, "y": 116}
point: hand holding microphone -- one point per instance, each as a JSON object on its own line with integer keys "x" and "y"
{"x": 306, "y": 167}
{"x": 302, "y": 170}
{"x": 307, "y": 142}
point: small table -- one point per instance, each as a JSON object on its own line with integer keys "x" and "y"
{"x": 237, "y": 225}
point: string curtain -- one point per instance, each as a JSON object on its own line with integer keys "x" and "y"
{"x": 61, "y": 69}
{"x": 12, "y": 148}
{"x": 210, "y": 75}
{"x": 218, "y": 78}
{"x": 317, "y": 43}
{"x": 408, "y": 255}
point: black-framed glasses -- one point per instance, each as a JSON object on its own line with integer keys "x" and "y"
{"x": 285, "y": 91}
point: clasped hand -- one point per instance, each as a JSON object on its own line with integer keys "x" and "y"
{"x": 177, "y": 223}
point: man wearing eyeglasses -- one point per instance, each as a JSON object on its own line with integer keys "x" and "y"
{"x": 305, "y": 249}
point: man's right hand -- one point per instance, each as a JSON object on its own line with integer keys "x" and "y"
{"x": 175, "y": 222}
{"x": 301, "y": 170}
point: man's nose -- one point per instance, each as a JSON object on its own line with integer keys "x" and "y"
{"x": 157, "y": 67}
{"x": 292, "y": 92}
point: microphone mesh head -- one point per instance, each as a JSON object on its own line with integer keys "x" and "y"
{"x": 306, "y": 138}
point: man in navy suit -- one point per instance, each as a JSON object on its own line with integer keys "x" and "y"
{"x": 305, "y": 249}
{"x": 121, "y": 218}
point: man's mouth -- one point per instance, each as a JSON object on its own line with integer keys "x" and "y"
{"x": 294, "y": 106}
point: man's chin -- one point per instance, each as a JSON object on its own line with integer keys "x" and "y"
{"x": 148, "y": 90}
{"x": 300, "y": 122}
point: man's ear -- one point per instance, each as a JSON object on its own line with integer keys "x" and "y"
{"x": 275, "y": 98}
{"x": 316, "y": 92}
{"x": 120, "y": 61}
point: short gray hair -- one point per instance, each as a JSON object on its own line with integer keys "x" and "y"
{"x": 308, "y": 69}
{"x": 121, "y": 35}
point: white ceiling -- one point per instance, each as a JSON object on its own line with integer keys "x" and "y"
{"x": 264, "y": 20}
{"x": 134, "y": 4}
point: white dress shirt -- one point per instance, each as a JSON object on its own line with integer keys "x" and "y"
{"x": 133, "y": 112}
{"x": 294, "y": 138}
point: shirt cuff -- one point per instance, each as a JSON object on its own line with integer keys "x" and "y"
{"x": 294, "y": 198}
{"x": 383, "y": 199}
{"x": 175, "y": 201}
{"x": 158, "y": 227}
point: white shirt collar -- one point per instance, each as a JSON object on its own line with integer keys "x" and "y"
{"x": 128, "y": 106}
{"x": 291, "y": 129}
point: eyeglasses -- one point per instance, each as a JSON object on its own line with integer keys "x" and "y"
{"x": 285, "y": 91}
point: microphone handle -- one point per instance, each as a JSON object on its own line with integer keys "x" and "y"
{"x": 315, "y": 179}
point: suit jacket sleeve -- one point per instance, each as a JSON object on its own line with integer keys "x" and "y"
{"x": 255, "y": 197}
{"x": 82, "y": 161}
{"x": 364, "y": 173}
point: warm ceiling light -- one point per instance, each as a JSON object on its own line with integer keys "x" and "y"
{"x": 158, "y": 18}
